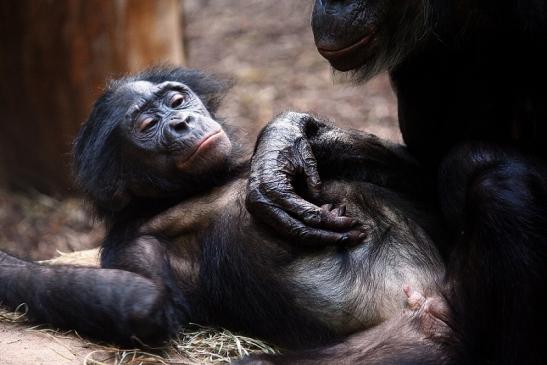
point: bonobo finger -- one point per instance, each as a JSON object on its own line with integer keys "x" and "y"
{"x": 303, "y": 234}
{"x": 303, "y": 159}
{"x": 333, "y": 219}
{"x": 293, "y": 228}
{"x": 296, "y": 206}
{"x": 319, "y": 218}
{"x": 356, "y": 237}
{"x": 283, "y": 196}
{"x": 341, "y": 210}
{"x": 311, "y": 173}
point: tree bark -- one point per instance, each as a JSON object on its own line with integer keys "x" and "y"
{"x": 55, "y": 58}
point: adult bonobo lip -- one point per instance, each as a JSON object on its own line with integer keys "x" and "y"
{"x": 346, "y": 58}
{"x": 344, "y": 32}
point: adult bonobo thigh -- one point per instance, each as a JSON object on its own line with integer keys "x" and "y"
{"x": 470, "y": 81}
{"x": 167, "y": 177}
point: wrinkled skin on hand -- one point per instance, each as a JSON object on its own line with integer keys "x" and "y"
{"x": 283, "y": 157}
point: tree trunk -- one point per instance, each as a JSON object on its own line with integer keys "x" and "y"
{"x": 55, "y": 56}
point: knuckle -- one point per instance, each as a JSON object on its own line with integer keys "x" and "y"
{"x": 254, "y": 200}
{"x": 300, "y": 232}
{"x": 251, "y": 205}
{"x": 311, "y": 170}
{"x": 285, "y": 159}
{"x": 312, "y": 216}
{"x": 274, "y": 190}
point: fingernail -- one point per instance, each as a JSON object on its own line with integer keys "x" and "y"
{"x": 362, "y": 236}
{"x": 344, "y": 239}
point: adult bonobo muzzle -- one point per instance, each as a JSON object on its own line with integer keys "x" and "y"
{"x": 369, "y": 35}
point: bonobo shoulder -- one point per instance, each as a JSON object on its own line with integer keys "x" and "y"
{"x": 193, "y": 215}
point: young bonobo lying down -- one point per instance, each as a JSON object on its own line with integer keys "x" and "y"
{"x": 169, "y": 180}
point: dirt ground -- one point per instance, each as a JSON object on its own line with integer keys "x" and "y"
{"x": 19, "y": 346}
{"x": 266, "y": 48}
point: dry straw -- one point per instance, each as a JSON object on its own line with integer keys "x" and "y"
{"x": 194, "y": 345}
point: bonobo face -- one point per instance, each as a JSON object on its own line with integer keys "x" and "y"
{"x": 369, "y": 35}
{"x": 168, "y": 128}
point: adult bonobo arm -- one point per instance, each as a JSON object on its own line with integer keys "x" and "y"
{"x": 298, "y": 147}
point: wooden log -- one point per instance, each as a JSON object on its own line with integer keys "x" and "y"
{"x": 55, "y": 57}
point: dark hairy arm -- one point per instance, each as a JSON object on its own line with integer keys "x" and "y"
{"x": 358, "y": 156}
{"x": 298, "y": 147}
{"x": 128, "y": 303}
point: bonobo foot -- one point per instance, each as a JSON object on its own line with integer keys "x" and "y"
{"x": 432, "y": 314}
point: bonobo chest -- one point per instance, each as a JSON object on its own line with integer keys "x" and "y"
{"x": 216, "y": 221}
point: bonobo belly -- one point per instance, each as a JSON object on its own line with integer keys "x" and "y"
{"x": 351, "y": 288}
{"x": 255, "y": 281}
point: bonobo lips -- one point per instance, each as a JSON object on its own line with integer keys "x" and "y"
{"x": 349, "y": 57}
{"x": 203, "y": 145}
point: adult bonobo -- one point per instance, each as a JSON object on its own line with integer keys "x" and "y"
{"x": 167, "y": 176}
{"x": 470, "y": 79}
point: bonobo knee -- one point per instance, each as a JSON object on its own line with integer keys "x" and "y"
{"x": 511, "y": 185}
{"x": 480, "y": 181}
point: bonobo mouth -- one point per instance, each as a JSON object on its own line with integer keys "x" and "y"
{"x": 201, "y": 146}
{"x": 349, "y": 57}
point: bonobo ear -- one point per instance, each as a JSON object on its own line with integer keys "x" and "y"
{"x": 210, "y": 89}
{"x": 97, "y": 163}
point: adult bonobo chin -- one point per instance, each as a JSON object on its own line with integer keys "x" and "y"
{"x": 470, "y": 79}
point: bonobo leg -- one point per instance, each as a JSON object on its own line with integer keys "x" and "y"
{"x": 421, "y": 335}
{"x": 110, "y": 304}
{"x": 496, "y": 203}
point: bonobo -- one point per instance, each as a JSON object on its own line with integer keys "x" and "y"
{"x": 470, "y": 79}
{"x": 170, "y": 182}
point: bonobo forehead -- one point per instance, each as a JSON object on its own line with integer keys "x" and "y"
{"x": 133, "y": 95}
{"x": 127, "y": 94}
{"x": 140, "y": 87}
{"x": 143, "y": 89}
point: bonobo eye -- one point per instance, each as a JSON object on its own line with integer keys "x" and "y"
{"x": 145, "y": 123}
{"x": 176, "y": 100}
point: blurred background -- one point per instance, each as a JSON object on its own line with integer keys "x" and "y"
{"x": 56, "y": 55}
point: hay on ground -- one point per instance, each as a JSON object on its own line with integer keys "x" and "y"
{"x": 194, "y": 345}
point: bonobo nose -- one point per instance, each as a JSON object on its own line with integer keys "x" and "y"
{"x": 180, "y": 125}
{"x": 331, "y": 7}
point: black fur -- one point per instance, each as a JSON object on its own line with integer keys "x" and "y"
{"x": 470, "y": 80}
{"x": 195, "y": 254}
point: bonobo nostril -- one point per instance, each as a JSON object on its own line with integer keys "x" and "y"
{"x": 179, "y": 125}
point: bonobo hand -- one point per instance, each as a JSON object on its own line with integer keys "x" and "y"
{"x": 283, "y": 155}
